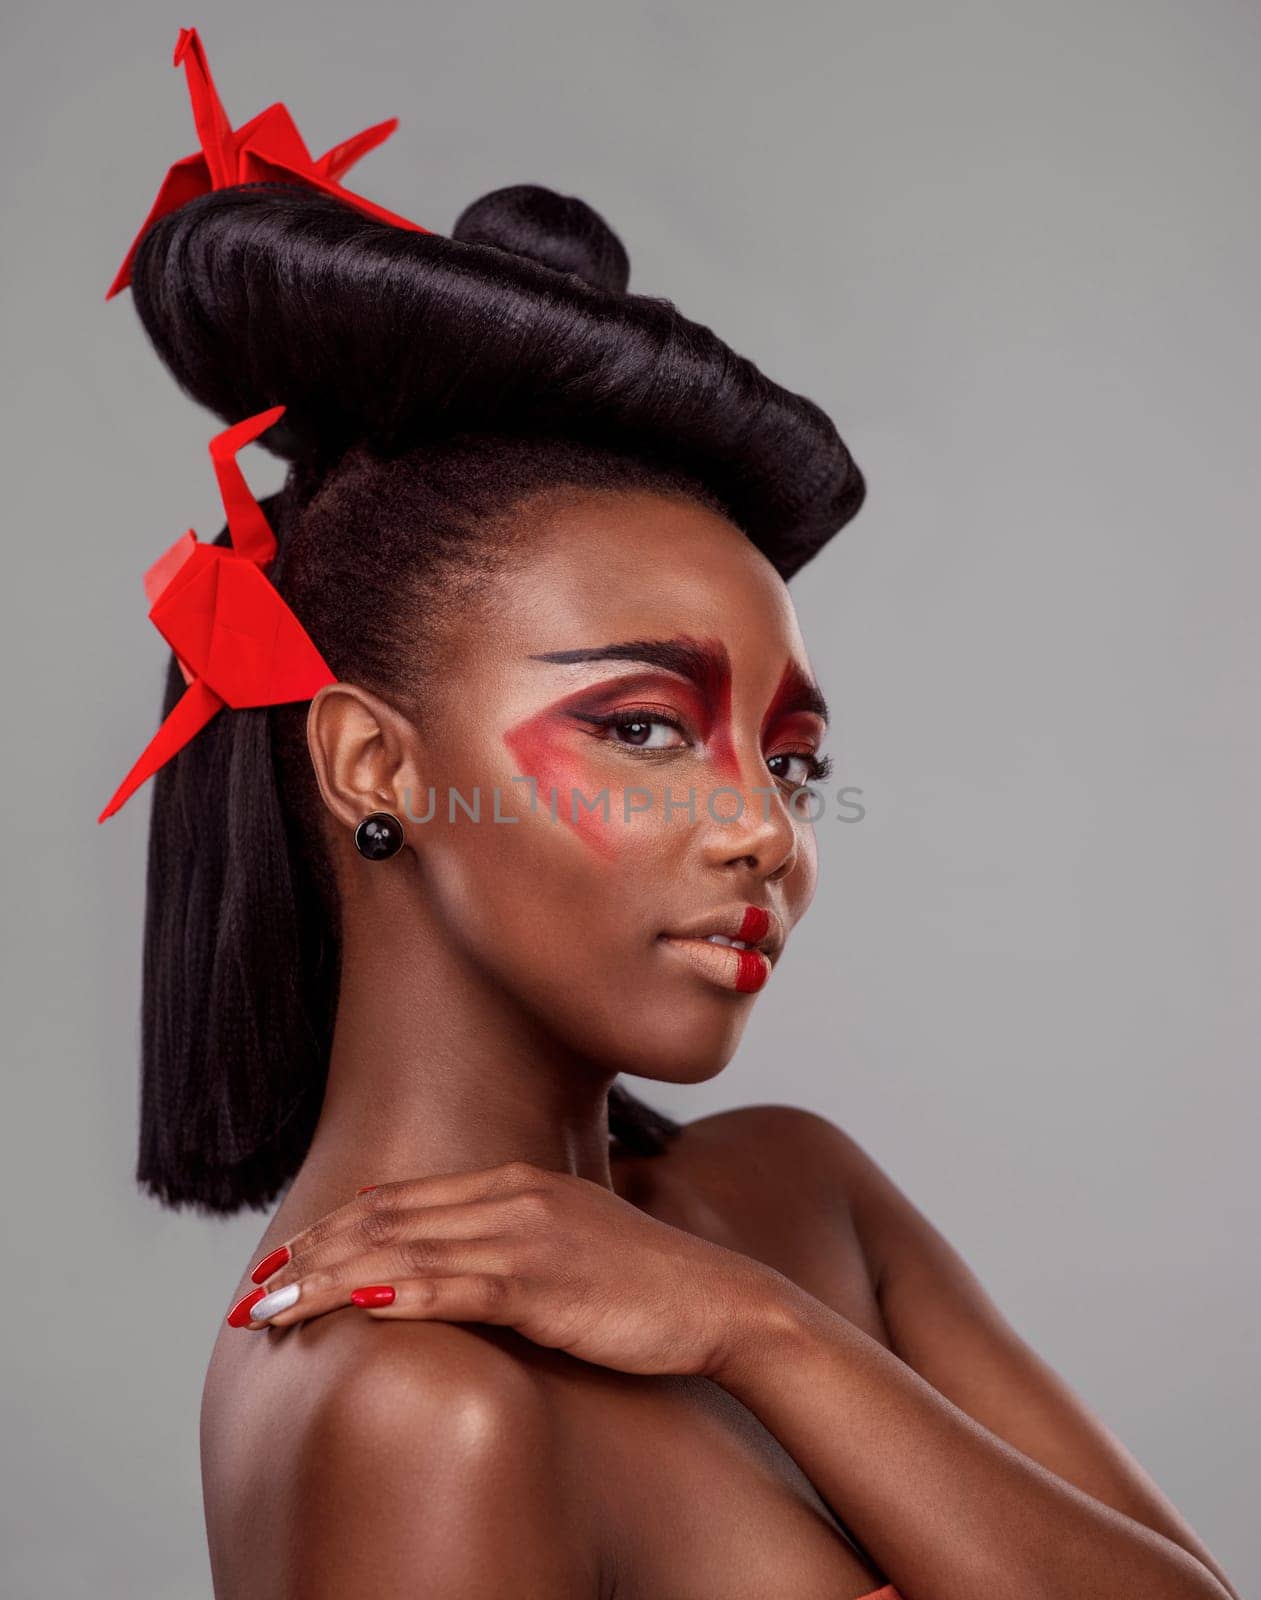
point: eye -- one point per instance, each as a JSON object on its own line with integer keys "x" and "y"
{"x": 642, "y": 728}
{"x": 798, "y": 767}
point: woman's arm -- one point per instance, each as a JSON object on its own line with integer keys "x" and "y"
{"x": 948, "y": 1507}
{"x": 962, "y": 1462}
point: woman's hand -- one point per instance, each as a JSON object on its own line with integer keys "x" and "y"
{"x": 564, "y": 1261}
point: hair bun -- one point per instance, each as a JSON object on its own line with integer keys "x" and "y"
{"x": 270, "y": 293}
{"x": 559, "y": 231}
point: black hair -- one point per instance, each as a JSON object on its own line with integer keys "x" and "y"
{"x": 433, "y": 386}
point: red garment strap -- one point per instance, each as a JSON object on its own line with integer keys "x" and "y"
{"x": 235, "y": 638}
{"x": 267, "y": 148}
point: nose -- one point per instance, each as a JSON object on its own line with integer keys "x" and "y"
{"x": 748, "y": 823}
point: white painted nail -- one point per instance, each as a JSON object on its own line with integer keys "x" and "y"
{"x": 277, "y": 1300}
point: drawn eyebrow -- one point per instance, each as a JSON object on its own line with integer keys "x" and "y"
{"x": 798, "y": 693}
{"x": 701, "y": 664}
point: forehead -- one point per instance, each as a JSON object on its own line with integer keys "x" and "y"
{"x": 629, "y": 565}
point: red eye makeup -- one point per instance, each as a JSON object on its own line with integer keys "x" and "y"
{"x": 793, "y": 717}
{"x": 694, "y": 678}
{"x": 567, "y": 747}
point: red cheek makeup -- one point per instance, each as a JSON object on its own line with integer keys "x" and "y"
{"x": 695, "y": 674}
{"x": 546, "y": 748}
{"x": 553, "y": 748}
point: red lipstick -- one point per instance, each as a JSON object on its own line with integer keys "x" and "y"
{"x": 707, "y": 944}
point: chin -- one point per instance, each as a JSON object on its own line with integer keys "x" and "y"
{"x": 668, "y": 1040}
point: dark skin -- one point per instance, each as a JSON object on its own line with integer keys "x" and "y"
{"x": 746, "y": 1367}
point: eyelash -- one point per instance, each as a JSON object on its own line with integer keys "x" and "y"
{"x": 818, "y": 767}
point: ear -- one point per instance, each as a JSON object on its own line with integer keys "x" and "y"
{"x": 365, "y": 753}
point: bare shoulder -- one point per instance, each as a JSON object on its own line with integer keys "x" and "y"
{"x": 792, "y": 1134}
{"x": 789, "y": 1183}
{"x": 775, "y": 1140}
{"x": 417, "y": 1457}
{"x": 772, "y": 1120}
{"x": 838, "y": 1174}
{"x": 419, "y": 1395}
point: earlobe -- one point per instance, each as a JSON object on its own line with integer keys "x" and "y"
{"x": 362, "y": 751}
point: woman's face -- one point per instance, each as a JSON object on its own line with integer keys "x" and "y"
{"x": 634, "y": 702}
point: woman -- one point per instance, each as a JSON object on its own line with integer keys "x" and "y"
{"x": 534, "y": 821}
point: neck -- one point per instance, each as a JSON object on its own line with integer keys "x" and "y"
{"x": 434, "y": 1069}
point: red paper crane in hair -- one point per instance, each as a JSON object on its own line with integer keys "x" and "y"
{"x": 236, "y": 640}
{"x": 267, "y": 148}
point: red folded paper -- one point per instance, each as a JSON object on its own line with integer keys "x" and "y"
{"x": 268, "y": 147}
{"x": 235, "y": 638}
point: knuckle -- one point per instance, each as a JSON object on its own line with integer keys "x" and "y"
{"x": 536, "y": 1208}
{"x": 378, "y": 1198}
{"x": 527, "y": 1254}
{"x": 310, "y": 1239}
{"x": 317, "y": 1286}
{"x": 520, "y": 1173}
{"x": 378, "y": 1225}
{"x": 427, "y": 1291}
{"x": 422, "y": 1255}
{"x": 491, "y": 1291}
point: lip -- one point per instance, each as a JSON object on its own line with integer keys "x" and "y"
{"x": 744, "y": 971}
{"x": 756, "y": 925}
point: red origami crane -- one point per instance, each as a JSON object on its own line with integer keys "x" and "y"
{"x": 267, "y": 148}
{"x": 236, "y": 640}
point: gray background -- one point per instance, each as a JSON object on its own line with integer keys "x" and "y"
{"x": 1015, "y": 250}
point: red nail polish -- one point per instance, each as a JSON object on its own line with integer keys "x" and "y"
{"x": 239, "y": 1316}
{"x": 365, "y": 1188}
{"x": 270, "y": 1264}
{"x": 375, "y": 1294}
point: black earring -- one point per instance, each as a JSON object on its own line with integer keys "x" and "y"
{"x": 379, "y": 836}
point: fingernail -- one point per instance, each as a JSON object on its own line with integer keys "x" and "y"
{"x": 375, "y": 1294}
{"x": 270, "y": 1264}
{"x": 365, "y": 1188}
{"x": 239, "y": 1316}
{"x": 277, "y": 1300}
